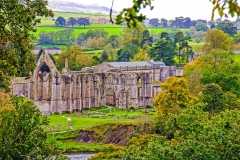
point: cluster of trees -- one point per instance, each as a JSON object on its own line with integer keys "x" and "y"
{"x": 76, "y": 59}
{"x": 60, "y": 21}
{"x": 191, "y": 134}
{"x": 62, "y": 37}
{"x": 200, "y": 25}
{"x": 198, "y": 114}
{"x": 22, "y": 135}
{"x": 188, "y": 135}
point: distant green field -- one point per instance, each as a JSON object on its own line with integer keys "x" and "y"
{"x": 93, "y": 53}
{"x": 110, "y": 28}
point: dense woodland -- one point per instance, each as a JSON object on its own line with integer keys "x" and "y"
{"x": 197, "y": 116}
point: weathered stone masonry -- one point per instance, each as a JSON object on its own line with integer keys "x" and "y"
{"x": 124, "y": 84}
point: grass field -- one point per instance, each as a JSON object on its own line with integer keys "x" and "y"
{"x": 237, "y": 57}
{"x": 93, "y": 53}
{"x": 110, "y": 28}
{"x": 81, "y": 122}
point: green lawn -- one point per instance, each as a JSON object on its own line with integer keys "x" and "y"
{"x": 237, "y": 57}
{"x": 85, "y": 121}
{"x": 110, "y": 28}
{"x": 93, "y": 53}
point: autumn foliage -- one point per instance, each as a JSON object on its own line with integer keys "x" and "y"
{"x": 174, "y": 96}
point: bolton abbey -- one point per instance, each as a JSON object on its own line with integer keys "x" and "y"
{"x": 124, "y": 84}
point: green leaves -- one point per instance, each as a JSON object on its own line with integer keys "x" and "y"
{"x": 18, "y": 19}
{"x": 21, "y": 131}
{"x": 220, "y": 5}
{"x": 130, "y": 15}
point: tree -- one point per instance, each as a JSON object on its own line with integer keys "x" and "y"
{"x": 236, "y": 38}
{"x": 163, "y": 50}
{"x": 127, "y": 52}
{"x": 5, "y": 102}
{"x": 16, "y": 30}
{"x": 80, "y": 40}
{"x": 198, "y": 36}
{"x": 140, "y": 56}
{"x": 115, "y": 40}
{"x": 185, "y": 48}
{"x": 68, "y": 35}
{"x": 212, "y": 26}
{"x": 147, "y": 40}
{"x": 72, "y": 21}
{"x": 95, "y": 33}
{"x": 95, "y": 43}
{"x": 83, "y": 21}
{"x": 217, "y": 39}
{"x": 111, "y": 51}
{"x": 201, "y": 27}
{"x": 44, "y": 38}
{"x": 227, "y": 27}
{"x": 133, "y": 35}
{"x": 104, "y": 56}
{"x": 164, "y": 22}
{"x": 220, "y": 5}
{"x": 216, "y": 67}
{"x": 178, "y": 37}
{"x": 190, "y": 135}
{"x": 154, "y": 22}
{"x": 60, "y": 21}
{"x": 131, "y": 17}
{"x": 174, "y": 96}
{"x": 76, "y": 59}
{"x": 214, "y": 98}
{"x": 22, "y": 135}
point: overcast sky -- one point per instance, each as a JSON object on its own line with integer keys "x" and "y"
{"x": 169, "y": 9}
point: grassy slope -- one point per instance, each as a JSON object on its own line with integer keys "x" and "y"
{"x": 82, "y": 122}
{"x": 63, "y": 139}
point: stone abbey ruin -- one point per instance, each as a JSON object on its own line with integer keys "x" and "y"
{"x": 123, "y": 84}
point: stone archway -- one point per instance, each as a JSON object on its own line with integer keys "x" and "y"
{"x": 110, "y": 97}
{"x": 42, "y": 76}
{"x": 44, "y": 83}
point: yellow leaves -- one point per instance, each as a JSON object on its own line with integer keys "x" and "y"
{"x": 217, "y": 39}
{"x": 5, "y": 102}
{"x": 174, "y": 97}
{"x": 76, "y": 59}
{"x": 94, "y": 42}
{"x": 140, "y": 56}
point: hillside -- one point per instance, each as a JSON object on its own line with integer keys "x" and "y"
{"x": 65, "y": 6}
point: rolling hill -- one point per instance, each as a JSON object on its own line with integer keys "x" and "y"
{"x": 66, "y": 6}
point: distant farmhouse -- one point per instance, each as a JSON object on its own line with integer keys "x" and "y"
{"x": 123, "y": 84}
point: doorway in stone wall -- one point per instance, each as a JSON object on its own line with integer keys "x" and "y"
{"x": 110, "y": 97}
{"x": 44, "y": 84}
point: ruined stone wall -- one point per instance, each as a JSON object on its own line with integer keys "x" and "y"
{"x": 67, "y": 91}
